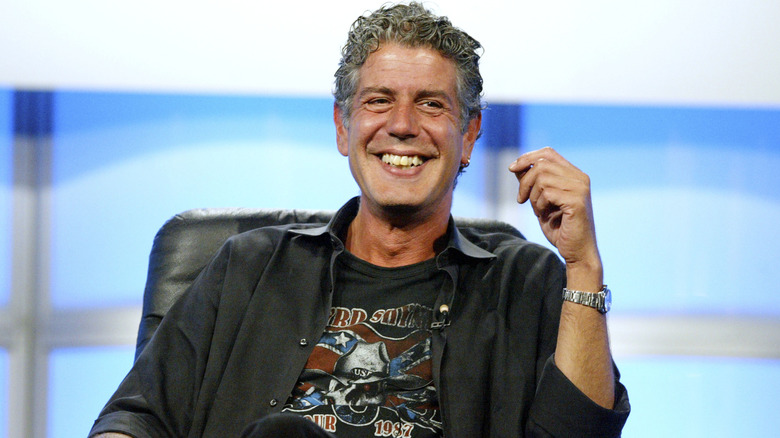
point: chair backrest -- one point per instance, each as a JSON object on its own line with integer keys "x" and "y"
{"x": 187, "y": 241}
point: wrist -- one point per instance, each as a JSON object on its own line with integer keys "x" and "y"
{"x": 585, "y": 275}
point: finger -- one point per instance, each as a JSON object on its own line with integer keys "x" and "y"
{"x": 543, "y": 156}
{"x": 529, "y": 158}
{"x": 524, "y": 162}
{"x": 559, "y": 192}
{"x": 552, "y": 191}
{"x": 536, "y": 197}
{"x": 543, "y": 208}
{"x": 529, "y": 178}
{"x": 546, "y": 193}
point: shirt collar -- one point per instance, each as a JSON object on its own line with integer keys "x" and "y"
{"x": 457, "y": 242}
{"x": 343, "y": 217}
{"x": 338, "y": 223}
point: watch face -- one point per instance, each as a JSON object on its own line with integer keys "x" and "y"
{"x": 607, "y": 300}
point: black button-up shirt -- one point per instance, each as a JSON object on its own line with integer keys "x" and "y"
{"x": 235, "y": 343}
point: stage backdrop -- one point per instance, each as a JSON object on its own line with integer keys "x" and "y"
{"x": 114, "y": 116}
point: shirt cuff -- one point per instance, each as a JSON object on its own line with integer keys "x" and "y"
{"x": 126, "y": 423}
{"x": 561, "y": 409}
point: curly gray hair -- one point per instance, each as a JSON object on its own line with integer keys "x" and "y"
{"x": 413, "y": 26}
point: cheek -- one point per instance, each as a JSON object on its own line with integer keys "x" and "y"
{"x": 356, "y": 131}
{"x": 455, "y": 140}
{"x": 445, "y": 126}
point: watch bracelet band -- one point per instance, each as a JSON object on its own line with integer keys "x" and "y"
{"x": 590, "y": 299}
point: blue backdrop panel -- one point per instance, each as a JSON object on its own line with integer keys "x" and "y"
{"x": 701, "y": 397}
{"x": 6, "y": 185}
{"x": 81, "y": 380}
{"x": 125, "y": 163}
{"x": 686, "y": 201}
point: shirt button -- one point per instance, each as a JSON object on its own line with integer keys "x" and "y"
{"x": 303, "y": 342}
{"x": 273, "y": 402}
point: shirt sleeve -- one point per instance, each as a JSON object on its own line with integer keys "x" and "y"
{"x": 127, "y": 423}
{"x": 560, "y": 409}
{"x": 157, "y": 397}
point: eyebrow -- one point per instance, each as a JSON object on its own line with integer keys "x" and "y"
{"x": 371, "y": 90}
{"x": 436, "y": 94}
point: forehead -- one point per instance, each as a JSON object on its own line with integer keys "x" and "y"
{"x": 402, "y": 68}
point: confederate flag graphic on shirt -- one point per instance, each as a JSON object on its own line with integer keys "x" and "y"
{"x": 358, "y": 378}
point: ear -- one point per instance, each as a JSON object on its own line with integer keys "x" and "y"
{"x": 470, "y": 137}
{"x": 341, "y": 131}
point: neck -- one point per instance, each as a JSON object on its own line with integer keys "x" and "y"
{"x": 396, "y": 240}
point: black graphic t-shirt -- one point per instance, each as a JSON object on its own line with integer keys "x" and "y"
{"x": 370, "y": 373}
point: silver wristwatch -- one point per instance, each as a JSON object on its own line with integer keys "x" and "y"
{"x": 601, "y": 301}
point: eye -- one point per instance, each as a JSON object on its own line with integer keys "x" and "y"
{"x": 378, "y": 103}
{"x": 432, "y": 106}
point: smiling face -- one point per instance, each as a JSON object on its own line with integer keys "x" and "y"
{"x": 404, "y": 141}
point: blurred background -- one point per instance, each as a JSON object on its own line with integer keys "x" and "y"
{"x": 114, "y": 116}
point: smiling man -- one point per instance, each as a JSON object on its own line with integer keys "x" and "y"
{"x": 418, "y": 328}
{"x": 406, "y": 143}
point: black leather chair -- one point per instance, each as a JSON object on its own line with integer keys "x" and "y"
{"x": 187, "y": 241}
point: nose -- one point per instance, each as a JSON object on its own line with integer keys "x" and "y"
{"x": 403, "y": 122}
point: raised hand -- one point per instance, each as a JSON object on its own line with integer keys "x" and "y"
{"x": 559, "y": 194}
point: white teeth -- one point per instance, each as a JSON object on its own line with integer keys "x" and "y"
{"x": 403, "y": 161}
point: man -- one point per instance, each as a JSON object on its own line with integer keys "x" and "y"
{"x": 389, "y": 321}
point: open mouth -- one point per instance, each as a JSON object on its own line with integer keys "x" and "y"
{"x": 403, "y": 161}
